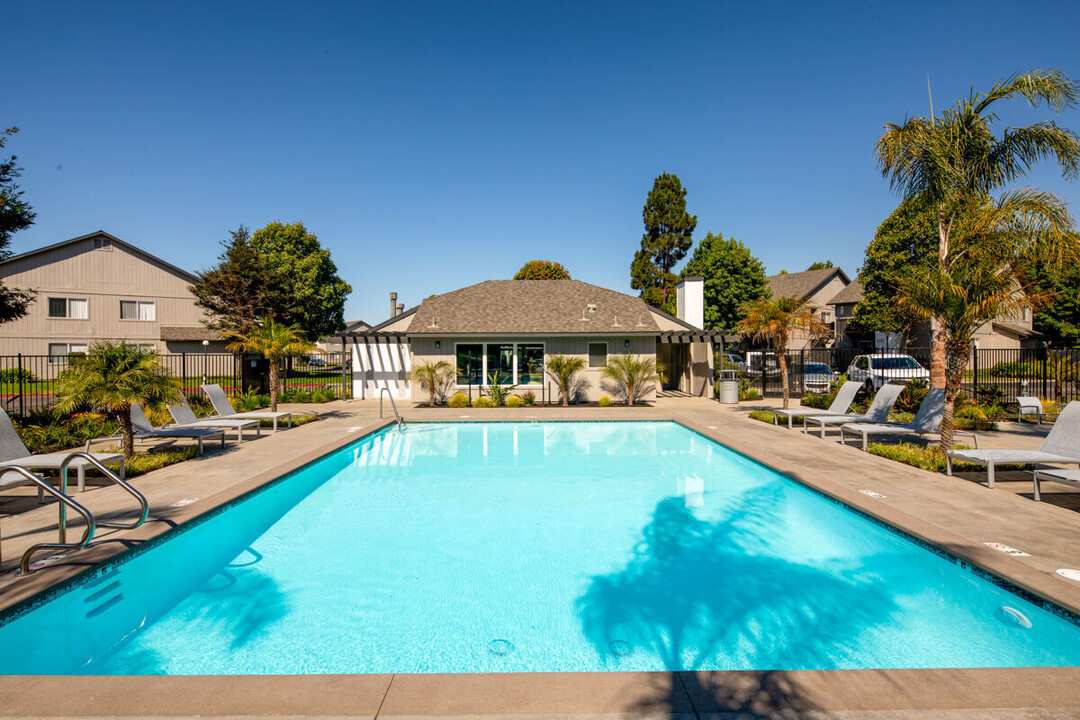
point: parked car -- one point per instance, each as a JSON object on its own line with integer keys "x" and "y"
{"x": 732, "y": 362}
{"x": 817, "y": 377}
{"x": 876, "y": 370}
{"x": 315, "y": 362}
{"x": 754, "y": 360}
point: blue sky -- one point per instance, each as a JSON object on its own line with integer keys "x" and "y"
{"x": 433, "y": 145}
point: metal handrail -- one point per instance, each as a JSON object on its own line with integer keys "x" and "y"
{"x": 400, "y": 420}
{"x": 116, "y": 479}
{"x": 65, "y": 502}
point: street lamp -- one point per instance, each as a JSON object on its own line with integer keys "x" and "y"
{"x": 205, "y": 360}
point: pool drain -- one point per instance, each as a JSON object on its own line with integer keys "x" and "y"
{"x": 1014, "y": 616}
{"x": 500, "y": 647}
{"x": 620, "y": 648}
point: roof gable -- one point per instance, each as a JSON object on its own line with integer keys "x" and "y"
{"x": 113, "y": 240}
{"x": 802, "y": 284}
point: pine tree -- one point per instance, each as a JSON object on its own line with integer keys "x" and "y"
{"x": 667, "y": 239}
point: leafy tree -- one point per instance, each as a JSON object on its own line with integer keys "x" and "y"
{"x": 433, "y": 375}
{"x": 563, "y": 368}
{"x": 667, "y": 238}
{"x": 631, "y": 372}
{"x": 904, "y": 245}
{"x": 542, "y": 270}
{"x": 773, "y": 320}
{"x": 955, "y": 163}
{"x": 112, "y": 377}
{"x": 15, "y": 214}
{"x": 821, "y": 265}
{"x": 238, "y": 290}
{"x": 733, "y": 277}
{"x": 274, "y": 341}
{"x": 280, "y": 272}
{"x": 1059, "y": 318}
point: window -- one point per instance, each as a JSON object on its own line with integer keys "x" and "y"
{"x": 470, "y": 364}
{"x": 71, "y": 308}
{"x": 597, "y": 355}
{"x": 59, "y": 352}
{"x": 1027, "y": 314}
{"x": 826, "y": 317}
{"x": 517, "y": 363}
{"x": 137, "y": 310}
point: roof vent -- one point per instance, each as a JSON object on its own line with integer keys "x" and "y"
{"x": 592, "y": 307}
{"x": 639, "y": 323}
{"x": 583, "y": 318}
{"x": 616, "y": 323}
{"x": 434, "y": 322}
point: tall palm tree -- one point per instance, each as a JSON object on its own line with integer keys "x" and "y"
{"x": 274, "y": 341}
{"x": 773, "y": 320}
{"x": 112, "y": 377}
{"x": 964, "y": 298}
{"x": 432, "y": 374}
{"x": 631, "y": 372}
{"x": 956, "y": 163}
{"x": 563, "y": 368}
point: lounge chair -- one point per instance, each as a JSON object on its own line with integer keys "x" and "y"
{"x": 184, "y": 416}
{"x": 1027, "y": 405}
{"x": 839, "y": 406}
{"x": 13, "y": 452}
{"x": 1058, "y": 475}
{"x": 143, "y": 429}
{"x": 1062, "y": 445}
{"x": 878, "y": 411}
{"x": 224, "y": 408}
{"x": 926, "y": 420}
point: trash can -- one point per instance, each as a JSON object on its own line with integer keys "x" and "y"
{"x": 729, "y": 391}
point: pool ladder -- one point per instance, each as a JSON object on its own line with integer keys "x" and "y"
{"x": 397, "y": 415}
{"x": 67, "y": 502}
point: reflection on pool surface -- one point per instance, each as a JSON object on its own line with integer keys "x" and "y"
{"x": 499, "y": 547}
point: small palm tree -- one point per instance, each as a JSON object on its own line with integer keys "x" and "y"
{"x": 563, "y": 368}
{"x": 773, "y": 320}
{"x": 433, "y": 375}
{"x": 631, "y": 372}
{"x": 274, "y": 341}
{"x": 112, "y": 377}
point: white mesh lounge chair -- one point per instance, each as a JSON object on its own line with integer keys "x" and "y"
{"x": 13, "y": 452}
{"x": 184, "y": 416}
{"x": 1062, "y": 445}
{"x": 143, "y": 429}
{"x": 926, "y": 420}
{"x": 224, "y": 408}
{"x": 1027, "y": 406}
{"x": 840, "y": 404}
{"x": 878, "y": 412}
{"x": 1058, "y": 475}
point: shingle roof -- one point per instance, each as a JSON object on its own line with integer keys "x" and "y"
{"x": 189, "y": 333}
{"x": 533, "y": 307}
{"x": 853, "y": 293}
{"x": 801, "y": 284}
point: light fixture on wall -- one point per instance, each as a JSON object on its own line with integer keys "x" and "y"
{"x": 438, "y": 344}
{"x": 626, "y": 344}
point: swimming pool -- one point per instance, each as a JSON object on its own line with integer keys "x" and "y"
{"x": 501, "y": 547}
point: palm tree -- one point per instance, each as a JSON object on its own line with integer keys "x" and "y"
{"x": 963, "y": 298}
{"x": 773, "y": 320}
{"x": 956, "y": 163}
{"x": 432, "y": 374}
{"x": 631, "y": 372}
{"x": 563, "y": 368}
{"x": 274, "y": 341}
{"x": 112, "y": 377}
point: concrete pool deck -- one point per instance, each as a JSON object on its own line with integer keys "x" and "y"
{"x": 958, "y": 514}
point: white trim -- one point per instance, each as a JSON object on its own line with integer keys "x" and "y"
{"x": 515, "y": 362}
{"x": 67, "y": 308}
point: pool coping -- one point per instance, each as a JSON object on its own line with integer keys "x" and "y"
{"x": 648, "y": 694}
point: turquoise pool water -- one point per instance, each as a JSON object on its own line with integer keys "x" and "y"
{"x": 533, "y": 547}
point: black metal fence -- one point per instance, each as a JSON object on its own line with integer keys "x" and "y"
{"x": 1049, "y": 374}
{"x": 28, "y": 382}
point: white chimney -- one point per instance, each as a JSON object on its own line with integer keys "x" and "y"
{"x": 690, "y": 301}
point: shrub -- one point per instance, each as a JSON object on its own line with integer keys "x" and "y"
{"x": 529, "y": 398}
{"x": 912, "y": 395}
{"x": 746, "y": 392}
{"x": 142, "y": 463}
{"x": 12, "y": 375}
{"x": 459, "y": 400}
{"x": 483, "y": 402}
{"x": 763, "y": 415}
{"x": 926, "y": 457}
{"x": 499, "y": 389}
{"x": 605, "y": 400}
{"x": 818, "y": 400}
{"x": 1027, "y": 368}
{"x": 251, "y": 400}
{"x": 749, "y": 394}
{"x": 514, "y": 401}
{"x": 972, "y": 417}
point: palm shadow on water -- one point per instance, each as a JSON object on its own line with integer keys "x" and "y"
{"x": 705, "y": 596}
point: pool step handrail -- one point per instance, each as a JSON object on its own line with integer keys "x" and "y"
{"x": 397, "y": 415}
{"x": 65, "y": 502}
{"x": 144, "y": 506}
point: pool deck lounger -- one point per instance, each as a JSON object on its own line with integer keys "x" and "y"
{"x": 878, "y": 412}
{"x": 839, "y": 406}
